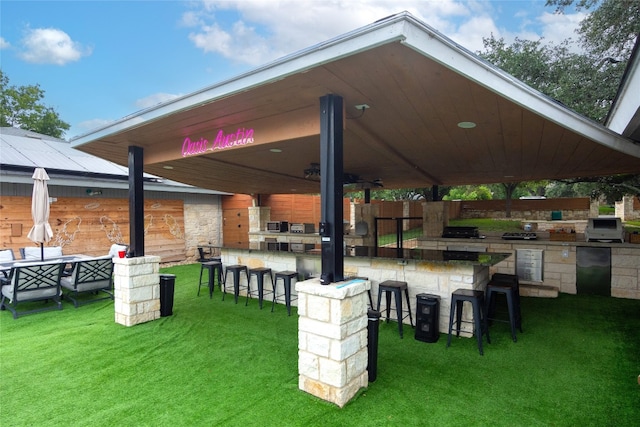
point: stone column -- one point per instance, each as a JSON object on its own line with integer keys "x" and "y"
{"x": 136, "y": 289}
{"x": 593, "y": 208}
{"x": 435, "y": 216}
{"x": 367, "y": 213}
{"x": 258, "y": 217}
{"x": 332, "y": 339}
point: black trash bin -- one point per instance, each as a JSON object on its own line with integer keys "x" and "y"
{"x": 167, "y": 287}
{"x": 373, "y": 328}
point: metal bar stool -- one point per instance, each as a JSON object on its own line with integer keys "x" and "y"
{"x": 511, "y": 280}
{"x": 395, "y": 287}
{"x": 476, "y": 298}
{"x": 212, "y": 267}
{"x": 235, "y": 269}
{"x": 507, "y": 285}
{"x": 286, "y": 277}
{"x": 259, "y": 272}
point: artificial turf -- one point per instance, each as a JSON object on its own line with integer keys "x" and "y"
{"x": 214, "y": 362}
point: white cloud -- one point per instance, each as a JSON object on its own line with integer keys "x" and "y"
{"x": 155, "y": 99}
{"x": 51, "y": 46}
{"x": 559, "y": 27}
{"x": 263, "y": 30}
{"x": 92, "y": 124}
{"x": 266, "y": 30}
{"x": 4, "y": 44}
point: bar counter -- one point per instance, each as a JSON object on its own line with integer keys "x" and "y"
{"x": 435, "y": 272}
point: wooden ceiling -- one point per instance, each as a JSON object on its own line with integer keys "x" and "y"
{"x": 409, "y": 137}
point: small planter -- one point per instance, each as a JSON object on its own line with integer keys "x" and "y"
{"x": 562, "y": 237}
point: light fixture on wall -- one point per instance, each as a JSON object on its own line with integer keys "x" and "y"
{"x": 91, "y": 192}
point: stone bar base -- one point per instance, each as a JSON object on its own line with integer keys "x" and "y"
{"x": 136, "y": 289}
{"x": 332, "y": 339}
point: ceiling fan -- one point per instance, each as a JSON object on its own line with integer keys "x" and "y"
{"x": 350, "y": 180}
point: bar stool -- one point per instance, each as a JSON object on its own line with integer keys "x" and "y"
{"x": 512, "y": 281}
{"x": 259, "y": 272}
{"x": 235, "y": 269}
{"x": 395, "y": 287}
{"x": 507, "y": 285}
{"x": 212, "y": 267}
{"x": 286, "y": 277}
{"x": 476, "y": 298}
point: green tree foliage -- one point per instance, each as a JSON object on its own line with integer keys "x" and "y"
{"x": 586, "y": 82}
{"x": 611, "y": 28}
{"x": 21, "y": 107}
{"x": 469, "y": 192}
{"x": 582, "y": 82}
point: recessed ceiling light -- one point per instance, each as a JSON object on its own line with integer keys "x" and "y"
{"x": 275, "y": 150}
{"x": 466, "y": 125}
{"x": 167, "y": 167}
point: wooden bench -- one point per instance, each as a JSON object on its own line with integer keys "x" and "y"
{"x": 31, "y": 282}
{"x": 92, "y": 275}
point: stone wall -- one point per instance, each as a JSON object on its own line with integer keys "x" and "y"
{"x": 537, "y": 209}
{"x": 559, "y": 268}
{"x": 202, "y": 226}
{"x": 628, "y": 209}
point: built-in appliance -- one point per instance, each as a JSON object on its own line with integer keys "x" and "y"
{"x": 461, "y": 232}
{"x": 277, "y": 246}
{"x": 305, "y": 228}
{"x": 604, "y": 230}
{"x": 277, "y": 226}
{"x": 301, "y": 247}
{"x": 530, "y": 265}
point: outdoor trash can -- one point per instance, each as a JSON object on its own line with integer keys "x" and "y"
{"x": 373, "y": 328}
{"x": 167, "y": 287}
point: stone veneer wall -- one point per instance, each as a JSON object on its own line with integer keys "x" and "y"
{"x": 559, "y": 268}
{"x": 422, "y": 277}
{"x": 628, "y": 209}
{"x": 136, "y": 289}
{"x": 332, "y": 339}
{"x": 625, "y": 272}
{"x": 202, "y": 224}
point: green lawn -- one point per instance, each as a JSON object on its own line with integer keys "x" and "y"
{"x": 215, "y": 363}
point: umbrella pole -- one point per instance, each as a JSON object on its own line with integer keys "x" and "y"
{"x": 41, "y": 251}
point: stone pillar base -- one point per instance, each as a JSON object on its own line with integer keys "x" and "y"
{"x": 136, "y": 284}
{"x": 332, "y": 339}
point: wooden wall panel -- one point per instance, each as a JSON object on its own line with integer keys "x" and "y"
{"x": 91, "y": 226}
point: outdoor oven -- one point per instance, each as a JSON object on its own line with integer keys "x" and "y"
{"x": 604, "y": 230}
{"x": 277, "y": 226}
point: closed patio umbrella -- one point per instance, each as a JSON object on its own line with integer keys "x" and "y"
{"x": 41, "y": 231}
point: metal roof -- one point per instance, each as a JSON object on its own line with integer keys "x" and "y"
{"x": 21, "y": 151}
{"x": 419, "y": 86}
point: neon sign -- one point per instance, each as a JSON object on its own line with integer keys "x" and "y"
{"x": 241, "y": 137}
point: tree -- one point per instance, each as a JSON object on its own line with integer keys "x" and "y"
{"x": 610, "y": 29}
{"x": 585, "y": 82}
{"x": 469, "y": 192}
{"x": 21, "y": 107}
{"x": 582, "y": 82}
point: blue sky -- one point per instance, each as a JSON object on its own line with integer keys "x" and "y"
{"x": 99, "y": 61}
